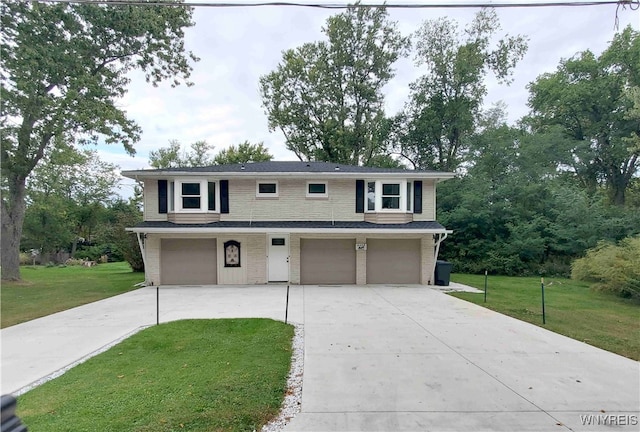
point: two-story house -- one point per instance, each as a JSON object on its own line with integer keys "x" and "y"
{"x": 295, "y": 222}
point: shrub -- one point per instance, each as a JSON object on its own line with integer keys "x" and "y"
{"x": 26, "y": 258}
{"x": 75, "y": 262}
{"x": 611, "y": 267}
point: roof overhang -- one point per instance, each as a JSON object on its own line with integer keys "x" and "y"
{"x": 265, "y": 230}
{"x": 161, "y": 174}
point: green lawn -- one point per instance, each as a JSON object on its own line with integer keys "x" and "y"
{"x": 192, "y": 375}
{"x": 572, "y": 309}
{"x": 46, "y": 290}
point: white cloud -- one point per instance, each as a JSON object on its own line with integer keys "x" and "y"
{"x": 237, "y": 46}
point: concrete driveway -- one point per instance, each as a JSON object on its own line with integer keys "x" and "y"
{"x": 411, "y": 358}
{"x": 380, "y": 358}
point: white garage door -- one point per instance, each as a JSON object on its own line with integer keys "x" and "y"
{"x": 188, "y": 262}
{"x": 327, "y": 261}
{"x": 393, "y": 261}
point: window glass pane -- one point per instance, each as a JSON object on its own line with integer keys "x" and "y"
{"x": 172, "y": 187}
{"x": 277, "y": 242}
{"x": 191, "y": 202}
{"x": 391, "y": 189}
{"x": 371, "y": 196}
{"x": 190, "y": 188}
{"x": 390, "y": 202}
{"x": 212, "y": 196}
{"x": 317, "y": 188}
{"x": 408, "y": 196}
{"x": 267, "y": 188}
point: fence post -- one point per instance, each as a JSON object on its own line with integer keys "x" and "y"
{"x": 544, "y": 319}
{"x": 485, "y": 286}
{"x": 286, "y": 310}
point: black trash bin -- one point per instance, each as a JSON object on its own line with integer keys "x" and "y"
{"x": 443, "y": 272}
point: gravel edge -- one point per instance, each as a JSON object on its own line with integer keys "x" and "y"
{"x": 293, "y": 397}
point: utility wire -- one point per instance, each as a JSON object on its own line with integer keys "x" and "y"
{"x": 633, "y": 4}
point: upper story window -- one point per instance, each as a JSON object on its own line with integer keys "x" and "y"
{"x": 190, "y": 195}
{"x": 317, "y": 189}
{"x": 267, "y": 189}
{"x": 371, "y": 196}
{"x": 193, "y": 196}
{"x": 389, "y": 196}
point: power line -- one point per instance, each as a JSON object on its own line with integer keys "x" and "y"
{"x": 633, "y": 4}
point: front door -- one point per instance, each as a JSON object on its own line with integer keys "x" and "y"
{"x": 278, "y": 258}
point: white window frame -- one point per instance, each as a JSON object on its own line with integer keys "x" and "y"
{"x": 204, "y": 196}
{"x": 366, "y": 196}
{"x": 267, "y": 195}
{"x": 378, "y": 200}
{"x": 317, "y": 195}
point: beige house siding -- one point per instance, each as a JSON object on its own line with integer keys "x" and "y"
{"x": 294, "y": 258}
{"x": 427, "y": 260}
{"x": 193, "y": 218}
{"x": 257, "y": 259}
{"x": 233, "y": 275}
{"x": 291, "y": 203}
{"x": 151, "y": 202}
{"x": 361, "y": 262}
{"x": 428, "y": 202}
{"x": 152, "y": 259}
{"x": 388, "y": 218}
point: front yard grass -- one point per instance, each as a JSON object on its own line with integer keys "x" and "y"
{"x": 572, "y": 309}
{"x": 191, "y": 375}
{"x": 47, "y": 290}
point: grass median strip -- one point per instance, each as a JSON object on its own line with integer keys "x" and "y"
{"x": 47, "y": 290}
{"x": 191, "y": 375}
{"x": 600, "y": 319}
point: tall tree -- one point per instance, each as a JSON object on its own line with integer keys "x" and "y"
{"x": 444, "y": 106}
{"x": 242, "y": 153}
{"x": 592, "y": 99}
{"x": 174, "y": 156}
{"x": 66, "y": 194}
{"x": 64, "y": 67}
{"x": 326, "y": 97}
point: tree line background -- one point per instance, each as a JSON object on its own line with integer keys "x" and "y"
{"x": 529, "y": 197}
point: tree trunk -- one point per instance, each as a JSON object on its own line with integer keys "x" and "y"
{"x": 617, "y": 187}
{"x": 13, "y": 208}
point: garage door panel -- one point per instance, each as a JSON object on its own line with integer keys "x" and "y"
{"x": 393, "y": 261}
{"x": 327, "y": 261}
{"x": 188, "y": 262}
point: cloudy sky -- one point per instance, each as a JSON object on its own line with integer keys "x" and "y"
{"x": 239, "y": 45}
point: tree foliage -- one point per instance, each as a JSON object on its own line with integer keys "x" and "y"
{"x": 64, "y": 68}
{"x": 445, "y": 103}
{"x": 593, "y": 99}
{"x": 174, "y": 157}
{"x": 613, "y": 267}
{"x": 66, "y": 195}
{"x": 243, "y": 153}
{"x": 326, "y": 97}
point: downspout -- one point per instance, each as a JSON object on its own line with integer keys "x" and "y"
{"x": 143, "y": 253}
{"x": 440, "y": 239}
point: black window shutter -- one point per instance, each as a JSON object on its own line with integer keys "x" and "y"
{"x": 162, "y": 196}
{"x": 359, "y": 196}
{"x": 224, "y": 196}
{"x": 417, "y": 196}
